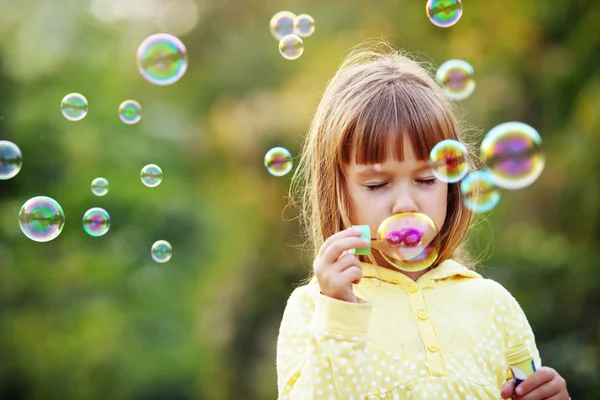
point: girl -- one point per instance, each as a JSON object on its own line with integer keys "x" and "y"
{"x": 362, "y": 328}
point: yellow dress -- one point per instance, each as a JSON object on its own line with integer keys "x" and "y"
{"x": 444, "y": 336}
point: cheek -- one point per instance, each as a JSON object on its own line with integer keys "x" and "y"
{"x": 438, "y": 206}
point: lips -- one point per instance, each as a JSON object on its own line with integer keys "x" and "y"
{"x": 409, "y": 237}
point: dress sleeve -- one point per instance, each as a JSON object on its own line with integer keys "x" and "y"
{"x": 517, "y": 329}
{"x": 322, "y": 347}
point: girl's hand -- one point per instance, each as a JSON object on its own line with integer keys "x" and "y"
{"x": 336, "y": 268}
{"x": 545, "y": 383}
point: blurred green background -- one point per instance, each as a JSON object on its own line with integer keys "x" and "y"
{"x": 96, "y": 318}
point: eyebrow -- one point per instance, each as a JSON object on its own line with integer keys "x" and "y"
{"x": 372, "y": 171}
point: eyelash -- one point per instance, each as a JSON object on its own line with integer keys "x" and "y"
{"x": 427, "y": 182}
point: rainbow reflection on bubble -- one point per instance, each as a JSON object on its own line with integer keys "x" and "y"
{"x": 443, "y": 13}
{"x": 151, "y": 175}
{"x": 96, "y": 221}
{"x": 130, "y": 112}
{"x": 448, "y": 160}
{"x": 291, "y": 47}
{"x": 162, "y": 59}
{"x": 479, "y": 192}
{"x": 304, "y": 25}
{"x": 99, "y": 187}
{"x": 513, "y": 155}
{"x": 161, "y": 251}
{"x": 278, "y": 161}
{"x": 457, "y": 78}
{"x": 282, "y": 24}
{"x": 11, "y": 160}
{"x": 408, "y": 241}
{"x": 41, "y": 219}
{"x": 74, "y": 106}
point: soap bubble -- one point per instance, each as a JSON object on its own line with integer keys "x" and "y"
{"x": 96, "y": 221}
{"x": 151, "y": 175}
{"x": 161, "y": 251}
{"x": 291, "y": 47}
{"x": 448, "y": 161}
{"x": 479, "y": 192}
{"x": 41, "y": 219}
{"x": 304, "y": 25}
{"x": 99, "y": 186}
{"x": 74, "y": 106}
{"x": 443, "y": 13}
{"x": 130, "y": 112}
{"x": 457, "y": 78}
{"x": 11, "y": 160}
{"x": 513, "y": 155}
{"x": 162, "y": 59}
{"x": 282, "y": 24}
{"x": 408, "y": 241}
{"x": 278, "y": 161}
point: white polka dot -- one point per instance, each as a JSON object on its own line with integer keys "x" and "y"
{"x": 328, "y": 377}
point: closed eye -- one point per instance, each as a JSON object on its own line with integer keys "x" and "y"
{"x": 373, "y": 187}
{"x": 429, "y": 181}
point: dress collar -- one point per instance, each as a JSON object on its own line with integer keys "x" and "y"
{"x": 448, "y": 269}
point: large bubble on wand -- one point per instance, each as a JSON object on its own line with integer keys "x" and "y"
{"x": 513, "y": 155}
{"x": 407, "y": 241}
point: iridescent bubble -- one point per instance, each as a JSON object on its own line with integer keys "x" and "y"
{"x": 74, "y": 106}
{"x": 457, "y": 78}
{"x": 479, "y": 192}
{"x": 41, "y": 219}
{"x": 11, "y": 159}
{"x": 99, "y": 186}
{"x": 448, "y": 160}
{"x": 282, "y": 24}
{"x": 151, "y": 175}
{"x": 304, "y": 25}
{"x": 512, "y": 152}
{"x": 161, "y": 251}
{"x": 291, "y": 47}
{"x": 130, "y": 112}
{"x": 96, "y": 221}
{"x": 443, "y": 13}
{"x": 162, "y": 59}
{"x": 408, "y": 241}
{"x": 278, "y": 161}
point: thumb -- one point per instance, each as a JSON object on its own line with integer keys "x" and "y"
{"x": 508, "y": 390}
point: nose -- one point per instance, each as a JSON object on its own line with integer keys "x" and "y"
{"x": 404, "y": 202}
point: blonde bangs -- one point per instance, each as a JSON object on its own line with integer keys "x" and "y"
{"x": 399, "y": 108}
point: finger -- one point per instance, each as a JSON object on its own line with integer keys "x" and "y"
{"x": 344, "y": 262}
{"x": 342, "y": 234}
{"x": 538, "y": 378}
{"x": 558, "y": 396}
{"x": 352, "y": 274}
{"x": 541, "y": 392}
{"x": 508, "y": 390}
{"x": 335, "y": 250}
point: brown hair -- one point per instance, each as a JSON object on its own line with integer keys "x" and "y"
{"x": 377, "y": 96}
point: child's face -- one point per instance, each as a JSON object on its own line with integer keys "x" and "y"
{"x": 378, "y": 191}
